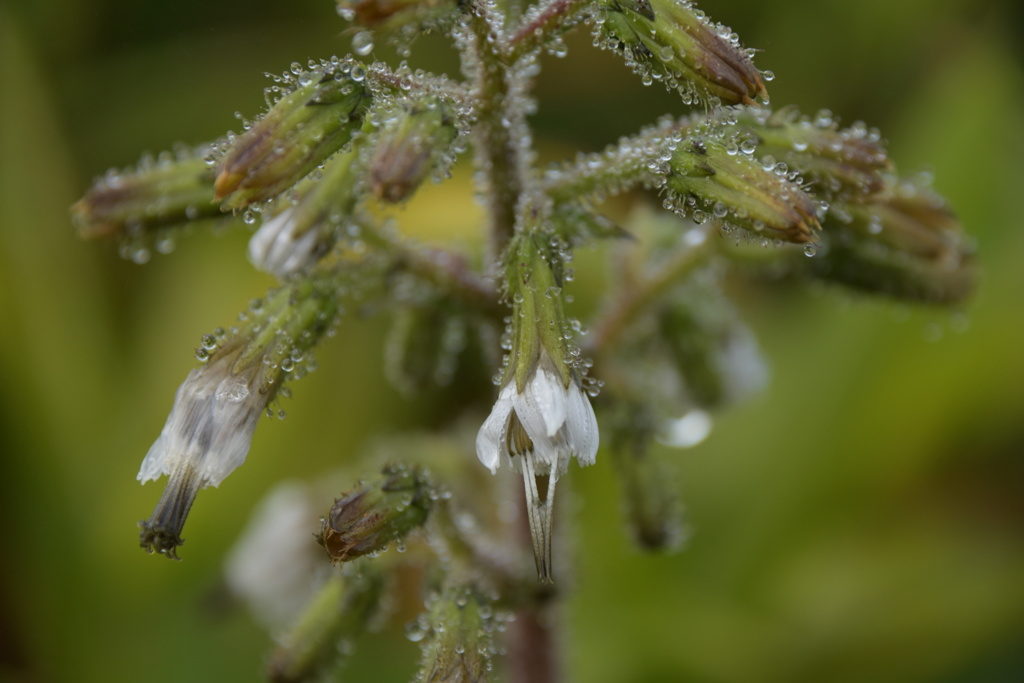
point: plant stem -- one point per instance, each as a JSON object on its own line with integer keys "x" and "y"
{"x": 532, "y": 655}
{"x": 542, "y": 26}
{"x": 634, "y": 301}
{"x": 497, "y": 152}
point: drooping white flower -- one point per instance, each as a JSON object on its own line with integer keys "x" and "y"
{"x": 276, "y": 248}
{"x": 206, "y": 437}
{"x": 536, "y": 432}
{"x": 211, "y": 424}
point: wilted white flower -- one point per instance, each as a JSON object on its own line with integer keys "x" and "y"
{"x": 216, "y": 408}
{"x": 536, "y": 432}
{"x": 276, "y": 248}
{"x": 206, "y": 436}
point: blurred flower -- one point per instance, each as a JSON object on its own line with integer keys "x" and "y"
{"x": 275, "y": 566}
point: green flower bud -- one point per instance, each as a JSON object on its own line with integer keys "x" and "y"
{"x": 714, "y": 352}
{"x": 738, "y": 190}
{"x": 166, "y": 192}
{"x": 654, "y": 512}
{"x": 366, "y": 519}
{"x": 325, "y": 630}
{"x": 423, "y": 346}
{"x": 847, "y": 163}
{"x": 299, "y": 133}
{"x": 412, "y": 145}
{"x": 910, "y": 246}
{"x": 671, "y": 40}
{"x": 458, "y": 649}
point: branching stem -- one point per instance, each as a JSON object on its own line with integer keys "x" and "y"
{"x": 636, "y": 300}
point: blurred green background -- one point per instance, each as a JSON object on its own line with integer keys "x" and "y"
{"x": 861, "y": 520}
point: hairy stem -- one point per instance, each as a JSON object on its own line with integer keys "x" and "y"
{"x": 532, "y": 652}
{"x": 497, "y": 153}
{"x": 543, "y": 25}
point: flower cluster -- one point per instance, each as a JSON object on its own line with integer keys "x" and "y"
{"x": 343, "y": 140}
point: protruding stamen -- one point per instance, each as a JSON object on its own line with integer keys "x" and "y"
{"x": 539, "y": 506}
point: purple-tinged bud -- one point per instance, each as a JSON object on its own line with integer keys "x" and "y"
{"x": 412, "y": 145}
{"x": 845, "y": 164}
{"x": 671, "y": 40}
{"x": 162, "y": 193}
{"x": 738, "y": 190}
{"x": 384, "y": 509}
{"x": 299, "y": 133}
{"x": 909, "y": 246}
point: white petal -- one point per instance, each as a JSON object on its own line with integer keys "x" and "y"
{"x": 276, "y": 249}
{"x": 581, "y": 426}
{"x": 548, "y": 394}
{"x": 490, "y": 440}
{"x": 210, "y": 426}
{"x": 539, "y": 407}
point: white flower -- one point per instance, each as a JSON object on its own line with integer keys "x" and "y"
{"x": 536, "y": 432}
{"x": 210, "y": 426}
{"x": 276, "y": 249}
{"x": 274, "y": 566}
{"x": 206, "y": 436}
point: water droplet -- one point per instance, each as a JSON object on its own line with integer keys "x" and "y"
{"x": 810, "y": 250}
{"x": 362, "y": 43}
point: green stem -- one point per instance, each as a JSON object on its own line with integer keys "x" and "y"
{"x": 632, "y": 302}
{"x": 620, "y": 166}
{"x": 548, "y": 22}
{"x": 497, "y": 153}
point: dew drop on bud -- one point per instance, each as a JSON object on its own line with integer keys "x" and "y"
{"x": 810, "y": 250}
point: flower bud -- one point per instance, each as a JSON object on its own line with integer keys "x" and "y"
{"x": 295, "y": 236}
{"x": 715, "y": 354}
{"x": 411, "y": 146}
{"x": 156, "y": 194}
{"x": 671, "y": 40}
{"x": 208, "y": 433}
{"x": 327, "y": 627}
{"x": 654, "y": 512}
{"x": 910, "y": 246}
{"x": 739, "y": 190}
{"x": 841, "y": 164}
{"x": 458, "y": 649}
{"x": 423, "y": 346}
{"x": 386, "y": 508}
{"x": 299, "y": 133}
